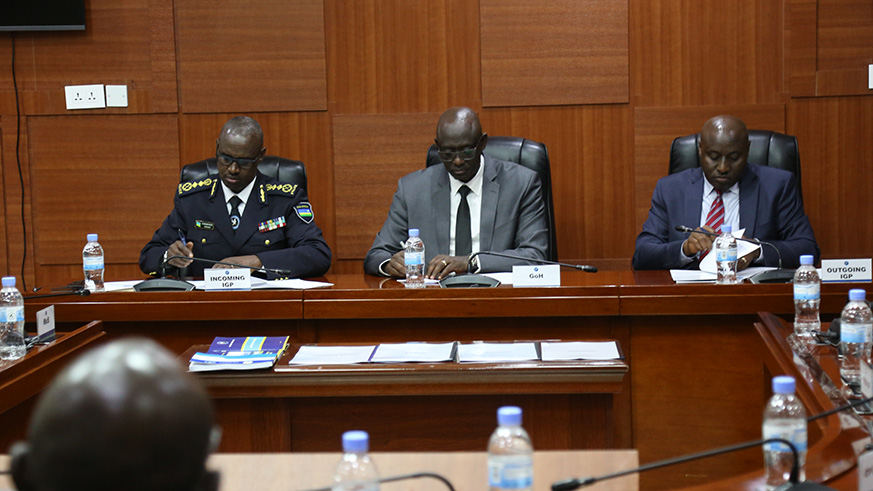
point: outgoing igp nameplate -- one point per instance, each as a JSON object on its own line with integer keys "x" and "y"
{"x": 846, "y": 270}
{"x": 227, "y": 279}
{"x": 539, "y": 275}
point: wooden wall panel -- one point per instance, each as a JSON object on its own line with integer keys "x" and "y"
{"x": 126, "y": 42}
{"x": 4, "y": 259}
{"x": 591, "y": 158}
{"x": 267, "y": 55}
{"x": 656, "y": 127}
{"x": 371, "y": 152}
{"x": 110, "y": 175}
{"x": 706, "y": 52}
{"x": 835, "y": 148}
{"x": 298, "y": 136}
{"x": 402, "y": 56}
{"x": 547, "y": 53}
{"x": 800, "y": 40}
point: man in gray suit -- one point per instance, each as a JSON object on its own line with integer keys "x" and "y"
{"x": 472, "y": 203}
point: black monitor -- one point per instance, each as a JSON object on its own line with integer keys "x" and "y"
{"x": 42, "y": 15}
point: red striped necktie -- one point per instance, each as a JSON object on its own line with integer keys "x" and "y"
{"x": 715, "y": 218}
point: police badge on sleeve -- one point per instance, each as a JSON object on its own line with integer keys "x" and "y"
{"x": 304, "y": 212}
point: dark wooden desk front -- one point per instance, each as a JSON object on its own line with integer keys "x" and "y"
{"x": 695, "y": 381}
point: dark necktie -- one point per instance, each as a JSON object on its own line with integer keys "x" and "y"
{"x": 463, "y": 236}
{"x": 234, "y": 212}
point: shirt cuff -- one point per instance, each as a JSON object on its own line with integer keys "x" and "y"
{"x": 382, "y": 268}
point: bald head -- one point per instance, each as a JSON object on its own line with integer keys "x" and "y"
{"x": 243, "y": 127}
{"x": 122, "y": 416}
{"x": 460, "y": 142}
{"x": 724, "y": 151}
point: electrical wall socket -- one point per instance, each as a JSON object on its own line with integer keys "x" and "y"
{"x": 85, "y": 96}
{"x": 116, "y": 96}
{"x": 870, "y": 76}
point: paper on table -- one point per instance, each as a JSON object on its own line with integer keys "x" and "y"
{"x": 580, "y": 350}
{"x": 427, "y": 281}
{"x": 413, "y": 352}
{"x": 743, "y": 248}
{"x": 493, "y": 352}
{"x": 694, "y": 276}
{"x": 332, "y": 355}
{"x": 293, "y": 284}
{"x": 115, "y": 286}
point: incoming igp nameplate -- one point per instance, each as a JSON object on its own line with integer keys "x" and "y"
{"x": 227, "y": 279}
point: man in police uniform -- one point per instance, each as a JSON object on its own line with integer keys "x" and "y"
{"x": 240, "y": 216}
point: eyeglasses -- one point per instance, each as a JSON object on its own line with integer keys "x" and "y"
{"x": 467, "y": 154}
{"x": 227, "y": 160}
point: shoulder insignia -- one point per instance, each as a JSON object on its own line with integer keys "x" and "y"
{"x": 304, "y": 212}
{"x": 194, "y": 186}
{"x": 283, "y": 189}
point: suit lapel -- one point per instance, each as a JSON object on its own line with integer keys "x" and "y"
{"x": 693, "y": 200}
{"x": 441, "y": 199}
{"x": 749, "y": 185}
{"x": 488, "y": 211}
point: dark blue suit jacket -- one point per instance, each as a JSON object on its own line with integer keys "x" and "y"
{"x": 770, "y": 210}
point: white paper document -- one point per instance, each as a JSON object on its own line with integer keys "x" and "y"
{"x": 117, "y": 286}
{"x": 695, "y": 276}
{"x": 743, "y": 248}
{"x": 495, "y": 352}
{"x": 413, "y": 352}
{"x": 262, "y": 284}
{"x": 580, "y": 350}
{"x": 332, "y": 355}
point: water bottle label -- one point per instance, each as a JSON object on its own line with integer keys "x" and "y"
{"x": 413, "y": 258}
{"x": 93, "y": 263}
{"x": 796, "y": 436}
{"x": 14, "y": 314}
{"x": 726, "y": 255}
{"x": 510, "y": 475}
{"x": 855, "y": 333}
{"x": 807, "y": 292}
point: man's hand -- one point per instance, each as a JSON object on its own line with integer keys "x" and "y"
{"x": 248, "y": 261}
{"x": 179, "y": 249}
{"x": 697, "y": 242}
{"x": 441, "y": 266}
{"x": 396, "y": 266}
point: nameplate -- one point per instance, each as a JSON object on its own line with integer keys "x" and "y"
{"x": 865, "y": 471}
{"x": 538, "y": 275}
{"x": 227, "y": 279}
{"x": 846, "y": 270}
{"x": 45, "y": 324}
{"x": 866, "y": 379}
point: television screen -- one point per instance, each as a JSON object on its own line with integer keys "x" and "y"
{"x": 42, "y": 15}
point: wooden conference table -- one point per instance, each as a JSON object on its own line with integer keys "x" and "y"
{"x": 695, "y": 379}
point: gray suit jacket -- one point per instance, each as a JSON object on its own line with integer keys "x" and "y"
{"x": 513, "y": 216}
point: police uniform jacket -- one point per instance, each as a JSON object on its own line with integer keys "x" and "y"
{"x": 277, "y": 225}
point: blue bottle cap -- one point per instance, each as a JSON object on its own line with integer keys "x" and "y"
{"x": 783, "y": 384}
{"x": 413, "y": 232}
{"x": 806, "y": 259}
{"x": 356, "y": 441}
{"x": 8, "y": 281}
{"x": 92, "y": 237}
{"x": 509, "y": 415}
{"x": 857, "y": 294}
{"x": 725, "y": 229}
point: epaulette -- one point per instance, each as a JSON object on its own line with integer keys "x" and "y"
{"x": 278, "y": 189}
{"x": 190, "y": 187}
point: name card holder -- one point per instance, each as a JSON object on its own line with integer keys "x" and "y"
{"x": 227, "y": 279}
{"x": 537, "y": 275}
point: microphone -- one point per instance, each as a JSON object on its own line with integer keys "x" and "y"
{"x": 280, "y": 272}
{"x": 75, "y": 288}
{"x": 471, "y": 280}
{"x": 778, "y": 275}
{"x": 403, "y": 477}
{"x": 581, "y": 267}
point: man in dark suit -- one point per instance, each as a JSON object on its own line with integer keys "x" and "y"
{"x": 724, "y": 190}
{"x": 240, "y": 216}
{"x": 122, "y": 416}
{"x": 500, "y": 210}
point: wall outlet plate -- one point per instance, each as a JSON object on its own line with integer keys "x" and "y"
{"x": 85, "y": 96}
{"x": 870, "y": 76}
{"x": 116, "y": 96}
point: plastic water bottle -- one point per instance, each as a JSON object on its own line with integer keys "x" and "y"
{"x": 413, "y": 257}
{"x": 92, "y": 264}
{"x": 11, "y": 321}
{"x": 784, "y": 417}
{"x": 856, "y": 333}
{"x": 356, "y": 472}
{"x": 726, "y": 256}
{"x": 807, "y": 299}
{"x": 510, "y": 453}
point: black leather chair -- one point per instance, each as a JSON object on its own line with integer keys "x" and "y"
{"x": 280, "y": 168}
{"x": 767, "y": 148}
{"x": 530, "y": 154}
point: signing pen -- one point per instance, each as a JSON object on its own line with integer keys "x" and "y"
{"x": 182, "y": 237}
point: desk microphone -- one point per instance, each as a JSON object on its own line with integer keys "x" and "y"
{"x": 71, "y": 289}
{"x": 471, "y": 280}
{"x": 171, "y": 284}
{"x": 403, "y": 477}
{"x": 778, "y": 275}
{"x": 581, "y": 267}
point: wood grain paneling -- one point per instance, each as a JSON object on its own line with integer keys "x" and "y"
{"x": 706, "y": 52}
{"x": 110, "y": 175}
{"x": 126, "y": 42}
{"x": 251, "y": 56}
{"x": 656, "y": 127}
{"x": 800, "y": 42}
{"x": 835, "y": 149}
{"x": 4, "y": 260}
{"x": 402, "y": 56}
{"x": 371, "y": 152}
{"x": 590, "y": 155}
{"x": 547, "y": 53}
